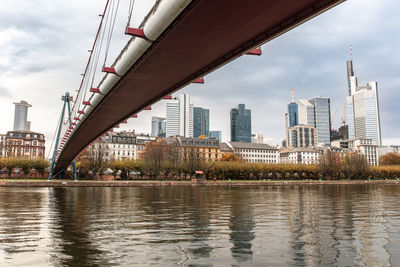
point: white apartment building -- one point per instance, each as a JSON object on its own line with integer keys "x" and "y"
{"x": 123, "y": 145}
{"x": 251, "y": 152}
{"x": 301, "y": 155}
{"x": 119, "y": 145}
{"x": 366, "y": 147}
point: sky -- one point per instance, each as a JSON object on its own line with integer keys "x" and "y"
{"x": 44, "y": 50}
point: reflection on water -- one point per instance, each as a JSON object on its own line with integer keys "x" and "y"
{"x": 356, "y": 225}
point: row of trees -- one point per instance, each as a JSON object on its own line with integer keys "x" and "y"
{"x": 130, "y": 169}
{"x": 24, "y": 166}
{"x": 390, "y": 159}
{"x": 161, "y": 159}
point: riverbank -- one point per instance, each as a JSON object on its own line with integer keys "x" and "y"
{"x": 85, "y": 183}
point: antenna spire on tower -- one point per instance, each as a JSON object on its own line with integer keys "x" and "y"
{"x": 292, "y": 95}
{"x": 351, "y": 52}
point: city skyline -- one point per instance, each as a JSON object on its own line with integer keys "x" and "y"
{"x": 300, "y": 58}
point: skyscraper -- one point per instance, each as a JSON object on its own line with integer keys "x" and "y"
{"x": 306, "y": 112}
{"x": 158, "y": 126}
{"x": 302, "y": 136}
{"x": 362, "y": 108}
{"x": 216, "y": 135}
{"x": 257, "y": 138}
{"x": 240, "y": 124}
{"x": 21, "y": 116}
{"x": 314, "y": 112}
{"x": 180, "y": 117}
{"x": 293, "y": 111}
{"x": 201, "y": 122}
{"x": 322, "y": 118}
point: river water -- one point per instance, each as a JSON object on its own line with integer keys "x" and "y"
{"x": 353, "y": 225}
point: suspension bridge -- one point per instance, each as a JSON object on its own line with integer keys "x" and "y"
{"x": 179, "y": 42}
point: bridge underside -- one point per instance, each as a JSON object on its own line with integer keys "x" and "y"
{"x": 207, "y": 35}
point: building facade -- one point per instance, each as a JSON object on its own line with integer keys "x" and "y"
{"x": 158, "y": 126}
{"x": 205, "y": 149}
{"x": 251, "y": 152}
{"x": 302, "y": 155}
{"x": 362, "y": 109}
{"x": 240, "y": 124}
{"x": 24, "y": 144}
{"x": 201, "y": 122}
{"x": 141, "y": 141}
{"x": 301, "y": 136}
{"x": 179, "y": 117}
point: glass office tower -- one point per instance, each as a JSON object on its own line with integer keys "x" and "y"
{"x": 241, "y": 124}
{"x": 201, "y": 122}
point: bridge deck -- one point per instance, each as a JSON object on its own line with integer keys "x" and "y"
{"x": 207, "y": 35}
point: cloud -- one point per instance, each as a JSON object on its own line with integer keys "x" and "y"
{"x": 44, "y": 49}
{"x": 5, "y": 92}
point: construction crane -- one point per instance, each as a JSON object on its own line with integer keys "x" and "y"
{"x": 334, "y": 115}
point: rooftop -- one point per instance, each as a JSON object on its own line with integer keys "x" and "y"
{"x": 251, "y": 145}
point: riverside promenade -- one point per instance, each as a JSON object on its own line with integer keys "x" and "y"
{"x": 166, "y": 183}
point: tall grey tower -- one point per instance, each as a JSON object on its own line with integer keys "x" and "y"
{"x": 362, "y": 108}
{"x": 21, "y": 116}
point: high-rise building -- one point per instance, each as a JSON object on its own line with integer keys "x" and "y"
{"x": 180, "y": 117}
{"x": 257, "y": 138}
{"x": 314, "y": 112}
{"x": 302, "y": 136}
{"x": 216, "y": 135}
{"x": 21, "y": 116}
{"x": 362, "y": 109}
{"x": 322, "y": 119}
{"x": 158, "y": 126}
{"x": 306, "y": 113}
{"x": 293, "y": 111}
{"x": 201, "y": 122}
{"x": 241, "y": 124}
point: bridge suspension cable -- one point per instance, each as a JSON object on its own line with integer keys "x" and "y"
{"x": 113, "y": 17}
{"x": 54, "y": 137}
{"x": 90, "y": 57}
{"x": 130, "y": 11}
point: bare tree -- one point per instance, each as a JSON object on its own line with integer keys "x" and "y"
{"x": 97, "y": 155}
{"x": 160, "y": 157}
{"x": 330, "y": 165}
{"x": 355, "y": 166}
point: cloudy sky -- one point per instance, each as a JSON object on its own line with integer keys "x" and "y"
{"x": 44, "y": 49}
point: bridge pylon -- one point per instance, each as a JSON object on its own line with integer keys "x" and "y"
{"x": 67, "y": 99}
